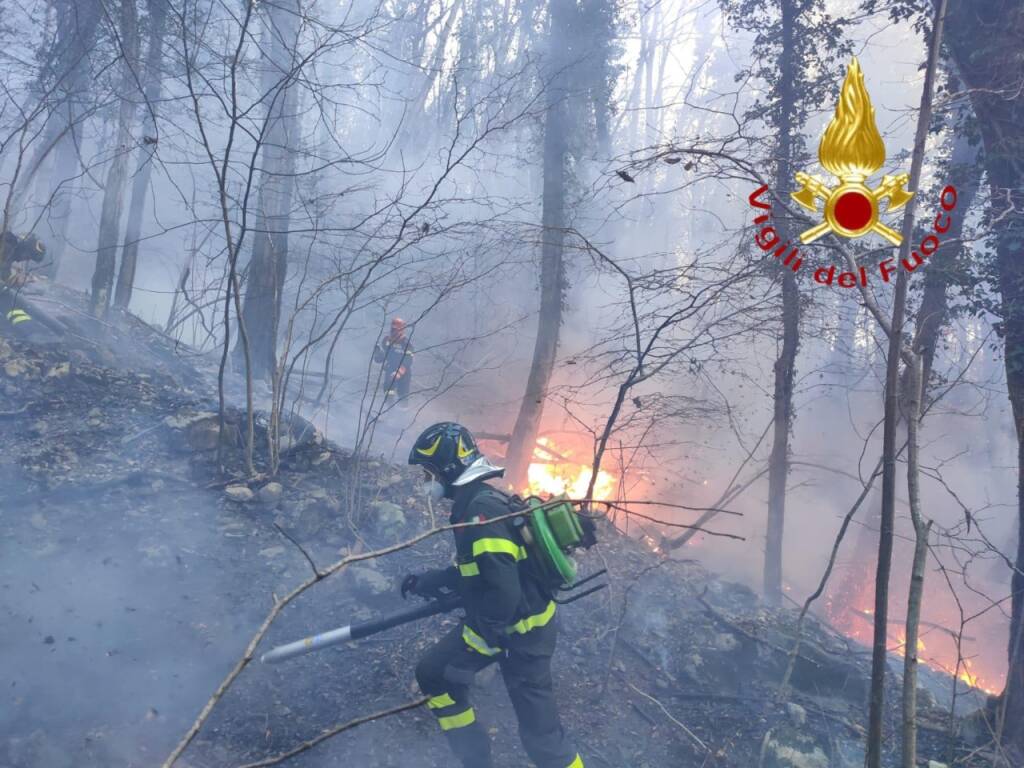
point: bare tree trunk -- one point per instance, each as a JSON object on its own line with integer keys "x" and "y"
{"x": 552, "y": 271}
{"x": 76, "y": 33}
{"x": 933, "y": 315}
{"x": 650, "y": 112}
{"x": 140, "y": 184}
{"x": 599, "y": 17}
{"x": 785, "y": 365}
{"x": 921, "y": 532}
{"x": 269, "y": 264}
{"x": 778, "y": 463}
{"x": 644, "y": 59}
{"x": 66, "y": 167}
{"x": 66, "y": 58}
{"x": 113, "y": 192}
{"x": 433, "y": 73}
{"x": 460, "y": 89}
{"x": 879, "y": 651}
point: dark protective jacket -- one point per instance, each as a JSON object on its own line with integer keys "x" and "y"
{"x": 504, "y": 602}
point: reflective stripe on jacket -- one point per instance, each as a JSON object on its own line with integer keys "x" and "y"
{"x": 18, "y": 316}
{"x": 503, "y": 603}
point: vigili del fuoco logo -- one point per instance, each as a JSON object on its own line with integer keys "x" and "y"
{"x": 851, "y": 150}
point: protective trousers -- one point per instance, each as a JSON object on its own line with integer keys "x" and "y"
{"x": 446, "y": 672}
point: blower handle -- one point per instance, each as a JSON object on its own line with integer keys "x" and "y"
{"x": 431, "y": 608}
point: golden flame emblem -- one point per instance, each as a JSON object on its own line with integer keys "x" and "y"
{"x": 852, "y": 150}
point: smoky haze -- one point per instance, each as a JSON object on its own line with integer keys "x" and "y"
{"x": 410, "y": 182}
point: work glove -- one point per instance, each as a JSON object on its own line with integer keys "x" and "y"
{"x": 433, "y": 584}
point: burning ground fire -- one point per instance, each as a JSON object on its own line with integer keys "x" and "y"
{"x": 559, "y": 473}
{"x": 927, "y": 656}
{"x": 936, "y": 648}
{"x": 556, "y": 470}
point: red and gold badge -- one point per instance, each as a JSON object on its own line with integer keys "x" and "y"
{"x": 852, "y": 150}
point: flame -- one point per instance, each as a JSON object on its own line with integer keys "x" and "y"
{"x": 901, "y": 647}
{"x": 852, "y": 147}
{"x": 855, "y": 619}
{"x": 965, "y": 675}
{"x": 568, "y": 477}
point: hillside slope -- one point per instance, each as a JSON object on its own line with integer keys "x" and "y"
{"x": 133, "y": 574}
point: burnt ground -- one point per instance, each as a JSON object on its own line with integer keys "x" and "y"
{"x": 133, "y": 573}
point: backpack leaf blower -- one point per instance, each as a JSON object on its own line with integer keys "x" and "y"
{"x": 551, "y": 531}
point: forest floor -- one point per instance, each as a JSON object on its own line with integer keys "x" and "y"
{"x": 132, "y": 576}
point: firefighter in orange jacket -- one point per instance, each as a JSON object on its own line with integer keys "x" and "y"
{"x": 395, "y": 354}
{"x": 510, "y": 616}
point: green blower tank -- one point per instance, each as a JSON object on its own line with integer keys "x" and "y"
{"x": 552, "y": 532}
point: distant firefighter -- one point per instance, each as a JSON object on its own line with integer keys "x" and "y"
{"x": 15, "y": 249}
{"x": 395, "y": 354}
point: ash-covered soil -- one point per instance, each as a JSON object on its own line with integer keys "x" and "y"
{"x": 133, "y": 573}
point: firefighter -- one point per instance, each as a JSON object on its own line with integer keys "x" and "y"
{"x": 15, "y": 249}
{"x": 510, "y": 616}
{"x": 395, "y": 354}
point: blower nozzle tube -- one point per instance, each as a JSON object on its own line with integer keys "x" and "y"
{"x": 307, "y": 645}
{"x": 358, "y": 631}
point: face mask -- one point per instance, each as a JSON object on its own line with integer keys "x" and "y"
{"x": 434, "y": 490}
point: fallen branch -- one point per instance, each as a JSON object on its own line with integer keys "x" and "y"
{"x": 668, "y": 714}
{"x": 330, "y": 732}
